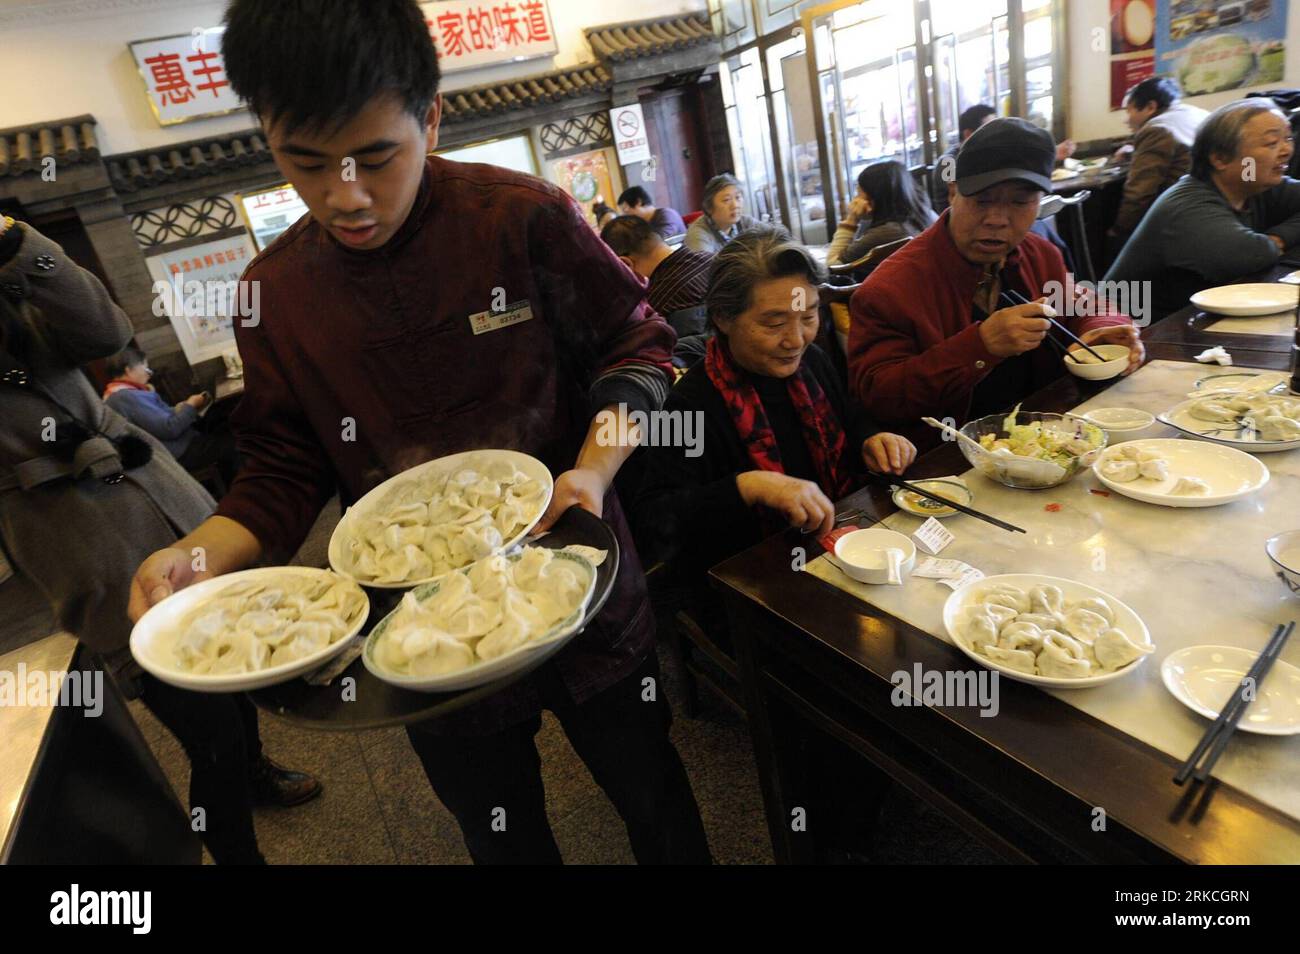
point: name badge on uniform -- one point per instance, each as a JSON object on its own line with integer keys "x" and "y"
{"x": 512, "y": 314}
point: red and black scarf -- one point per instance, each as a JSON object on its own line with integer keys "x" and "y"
{"x": 821, "y": 430}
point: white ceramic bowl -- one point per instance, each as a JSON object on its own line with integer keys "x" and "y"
{"x": 861, "y": 554}
{"x": 155, "y": 635}
{"x": 1120, "y": 423}
{"x": 375, "y": 501}
{"x": 1116, "y": 361}
{"x": 1283, "y": 551}
{"x": 1125, "y": 619}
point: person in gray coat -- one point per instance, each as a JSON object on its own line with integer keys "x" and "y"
{"x": 85, "y": 496}
{"x": 723, "y": 218}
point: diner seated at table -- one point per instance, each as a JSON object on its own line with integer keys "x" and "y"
{"x": 778, "y": 439}
{"x": 1232, "y": 216}
{"x": 637, "y": 201}
{"x": 676, "y": 281}
{"x": 602, "y": 213}
{"x": 176, "y": 426}
{"x": 932, "y": 332}
{"x": 724, "y": 216}
{"x": 888, "y": 207}
{"x": 1164, "y": 128}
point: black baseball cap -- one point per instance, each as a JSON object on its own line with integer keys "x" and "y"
{"x": 1006, "y": 148}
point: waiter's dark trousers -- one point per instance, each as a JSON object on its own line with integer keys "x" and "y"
{"x": 219, "y": 734}
{"x": 493, "y": 783}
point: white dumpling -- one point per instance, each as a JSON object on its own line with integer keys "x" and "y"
{"x": 452, "y": 593}
{"x": 530, "y": 565}
{"x": 1018, "y": 635}
{"x": 1157, "y": 469}
{"x": 1041, "y": 620}
{"x": 490, "y": 577}
{"x": 1136, "y": 451}
{"x": 1046, "y": 599}
{"x": 1120, "y": 470}
{"x": 443, "y": 655}
{"x": 1063, "y": 657}
{"x": 1006, "y": 595}
{"x": 1214, "y": 411}
{"x": 980, "y": 628}
{"x": 1115, "y": 650}
{"x": 1096, "y": 604}
{"x": 1190, "y": 487}
{"x": 1001, "y": 614}
{"x": 1021, "y": 660}
{"x": 1084, "y": 624}
{"x": 1277, "y": 429}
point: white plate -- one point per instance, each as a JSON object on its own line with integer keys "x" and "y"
{"x": 1247, "y": 300}
{"x": 529, "y": 654}
{"x": 1219, "y": 433}
{"x": 1203, "y": 678}
{"x": 154, "y": 636}
{"x": 1231, "y": 474}
{"x": 1243, "y": 382}
{"x": 1125, "y": 619}
{"x": 339, "y": 557}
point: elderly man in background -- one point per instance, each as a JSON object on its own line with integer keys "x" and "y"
{"x": 1164, "y": 128}
{"x": 1230, "y": 217}
{"x": 931, "y": 331}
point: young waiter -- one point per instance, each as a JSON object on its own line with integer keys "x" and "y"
{"x": 423, "y": 308}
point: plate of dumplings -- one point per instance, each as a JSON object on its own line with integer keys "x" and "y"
{"x": 505, "y": 613}
{"x": 1256, "y": 423}
{"x": 1171, "y": 472}
{"x": 1046, "y": 631}
{"x": 249, "y": 630}
{"x": 440, "y": 517}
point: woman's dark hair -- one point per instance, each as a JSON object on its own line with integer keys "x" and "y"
{"x": 127, "y": 358}
{"x": 315, "y": 64}
{"x": 1164, "y": 91}
{"x": 600, "y": 210}
{"x": 894, "y": 195}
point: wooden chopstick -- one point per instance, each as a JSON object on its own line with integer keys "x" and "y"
{"x": 1020, "y": 299}
{"x": 1216, "y": 737}
{"x": 969, "y": 511}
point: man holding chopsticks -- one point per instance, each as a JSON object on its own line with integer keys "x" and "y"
{"x": 936, "y": 330}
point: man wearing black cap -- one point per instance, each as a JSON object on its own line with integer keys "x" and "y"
{"x": 933, "y": 332}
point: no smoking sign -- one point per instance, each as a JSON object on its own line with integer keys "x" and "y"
{"x": 628, "y": 124}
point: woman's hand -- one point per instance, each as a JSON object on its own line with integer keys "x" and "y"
{"x": 159, "y": 576}
{"x": 888, "y": 453}
{"x": 859, "y": 209}
{"x": 800, "y": 502}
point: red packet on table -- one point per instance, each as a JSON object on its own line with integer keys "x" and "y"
{"x": 828, "y": 541}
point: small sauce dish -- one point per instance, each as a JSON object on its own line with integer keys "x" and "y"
{"x": 865, "y": 555}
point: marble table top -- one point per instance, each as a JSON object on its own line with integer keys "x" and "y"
{"x": 1195, "y": 576}
{"x": 1282, "y": 324}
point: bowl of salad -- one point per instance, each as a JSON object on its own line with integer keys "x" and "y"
{"x": 1031, "y": 450}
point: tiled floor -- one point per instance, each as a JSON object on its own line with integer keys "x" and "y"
{"x": 377, "y": 807}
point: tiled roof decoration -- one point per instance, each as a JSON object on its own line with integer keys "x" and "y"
{"x": 25, "y": 148}
{"x": 477, "y": 101}
{"x": 130, "y": 171}
{"x": 628, "y": 41}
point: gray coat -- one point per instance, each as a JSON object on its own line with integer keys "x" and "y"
{"x": 703, "y": 235}
{"x": 78, "y": 539}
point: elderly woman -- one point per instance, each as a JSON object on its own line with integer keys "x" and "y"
{"x": 1230, "y": 217}
{"x": 723, "y": 218}
{"x": 79, "y": 513}
{"x": 779, "y": 441}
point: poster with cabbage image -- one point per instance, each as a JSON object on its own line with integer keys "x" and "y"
{"x": 1216, "y": 45}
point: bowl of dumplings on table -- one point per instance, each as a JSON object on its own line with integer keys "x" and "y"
{"x": 439, "y": 517}
{"x": 251, "y": 629}
{"x": 502, "y": 614}
{"x": 1180, "y": 473}
{"x": 1046, "y": 630}
{"x": 1254, "y": 422}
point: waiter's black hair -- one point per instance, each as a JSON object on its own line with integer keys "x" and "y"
{"x": 315, "y": 64}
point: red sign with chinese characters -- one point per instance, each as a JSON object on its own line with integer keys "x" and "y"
{"x": 185, "y": 76}
{"x": 474, "y": 33}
